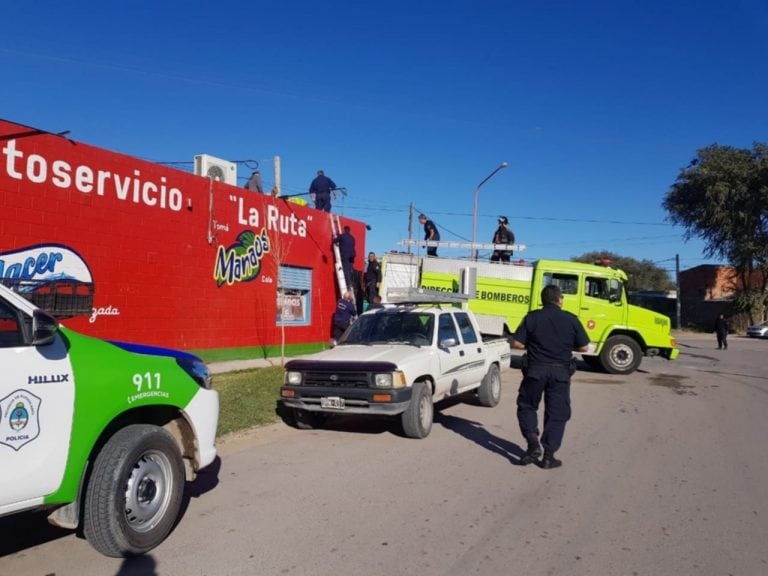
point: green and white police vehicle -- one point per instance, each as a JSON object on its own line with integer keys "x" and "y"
{"x": 103, "y": 434}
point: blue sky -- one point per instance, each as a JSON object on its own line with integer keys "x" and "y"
{"x": 595, "y": 105}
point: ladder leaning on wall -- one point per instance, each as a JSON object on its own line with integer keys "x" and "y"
{"x": 341, "y": 281}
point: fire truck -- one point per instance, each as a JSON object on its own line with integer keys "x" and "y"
{"x": 502, "y": 294}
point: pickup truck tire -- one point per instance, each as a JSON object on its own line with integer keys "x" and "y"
{"x": 134, "y": 493}
{"x": 417, "y": 418}
{"x": 489, "y": 393}
{"x": 620, "y": 355}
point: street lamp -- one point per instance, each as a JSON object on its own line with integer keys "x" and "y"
{"x": 474, "y": 214}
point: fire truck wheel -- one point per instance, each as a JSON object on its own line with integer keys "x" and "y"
{"x": 620, "y": 355}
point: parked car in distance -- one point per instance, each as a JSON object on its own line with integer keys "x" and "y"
{"x": 758, "y": 330}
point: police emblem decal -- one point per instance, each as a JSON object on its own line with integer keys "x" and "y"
{"x": 20, "y": 424}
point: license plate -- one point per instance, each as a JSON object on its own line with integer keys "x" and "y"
{"x": 333, "y": 402}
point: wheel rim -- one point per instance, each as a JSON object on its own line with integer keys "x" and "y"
{"x": 622, "y": 356}
{"x": 425, "y": 412}
{"x": 148, "y": 491}
{"x": 495, "y": 385}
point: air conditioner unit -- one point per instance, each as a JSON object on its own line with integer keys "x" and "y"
{"x": 216, "y": 168}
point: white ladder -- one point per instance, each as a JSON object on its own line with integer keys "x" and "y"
{"x": 341, "y": 281}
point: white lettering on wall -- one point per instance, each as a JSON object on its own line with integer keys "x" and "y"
{"x": 275, "y": 220}
{"x": 36, "y": 169}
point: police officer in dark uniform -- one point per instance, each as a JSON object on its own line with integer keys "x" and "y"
{"x": 549, "y": 336}
{"x": 347, "y": 253}
{"x": 320, "y": 191}
{"x": 430, "y": 233}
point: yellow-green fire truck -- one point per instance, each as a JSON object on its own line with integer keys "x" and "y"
{"x": 620, "y": 333}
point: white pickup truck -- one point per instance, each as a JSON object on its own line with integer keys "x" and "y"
{"x": 101, "y": 434}
{"x": 396, "y": 360}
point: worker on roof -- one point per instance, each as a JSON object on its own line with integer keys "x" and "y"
{"x": 503, "y": 235}
{"x": 320, "y": 191}
{"x": 430, "y": 233}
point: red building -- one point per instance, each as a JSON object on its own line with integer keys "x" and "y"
{"x": 174, "y": 259}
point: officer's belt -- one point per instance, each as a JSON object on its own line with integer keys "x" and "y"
{"x": 565, "y": 365}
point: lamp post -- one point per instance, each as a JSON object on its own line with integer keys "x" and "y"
{"x": 474, "y": 214}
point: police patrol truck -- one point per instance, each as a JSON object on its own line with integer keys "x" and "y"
{"x": 102, "y": 434}
{"x": 620, "y": 333}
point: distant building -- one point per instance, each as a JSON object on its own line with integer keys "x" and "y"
{"x": 708, "y": 290}
{"x": 709, "y": 282}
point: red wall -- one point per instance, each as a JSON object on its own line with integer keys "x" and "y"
{"x": 153, "y": 265}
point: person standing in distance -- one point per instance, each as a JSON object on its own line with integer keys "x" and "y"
{"x": 549, "y": 336}
{"x": 503, "y": 235}
{"x": 320, "y": 191}
{"x": 430, "y": 233}
{"x": 721, "y": 331}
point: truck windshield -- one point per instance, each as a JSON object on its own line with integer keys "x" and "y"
{"x": 393, "y": 327}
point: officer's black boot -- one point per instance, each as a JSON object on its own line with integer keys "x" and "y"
{"x": 534, "y": 451}
{"x": 549, "y": 461}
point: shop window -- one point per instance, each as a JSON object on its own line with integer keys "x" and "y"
{"x": 294, "y": 296}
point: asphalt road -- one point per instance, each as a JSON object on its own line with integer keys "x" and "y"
{"x": 665, "y": 472}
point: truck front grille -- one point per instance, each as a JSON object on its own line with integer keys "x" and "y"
{"x": 341, "y": 379}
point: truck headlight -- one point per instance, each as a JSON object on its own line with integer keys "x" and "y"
{"x": 197, "y": 369}
{"x": 394, "y": 379}
{"x": 293, "y": 378}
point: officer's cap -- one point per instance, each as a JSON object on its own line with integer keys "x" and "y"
{"x": 503, "y": 220}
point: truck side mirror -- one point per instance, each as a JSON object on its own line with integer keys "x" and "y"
{"x": 448, "y": 342}
{"x": 44, "y": 328}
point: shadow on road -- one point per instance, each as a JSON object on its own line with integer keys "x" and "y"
{"x": 138, "y": 566}
{"x": 475, "y": 432}
{"x": 27, "y": 529}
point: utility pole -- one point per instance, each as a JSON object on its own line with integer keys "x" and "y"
{"x": 501, "y": 166}
{"x": 276, "y": 162}
{"x": 677, "y": 287}
{"x": 410, "y": 225}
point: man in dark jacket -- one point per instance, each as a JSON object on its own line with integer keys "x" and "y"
{"x": 721, "y": 331}
{"x": 430, "y": 233}
{"x": 372, "y": 277}
{"x": 549, "y": 336}
{"x": 320, "y": 190}
{"x": 345, "y": 312}
{"x": 503, "y": 235}
{"x": 347, "y": 254}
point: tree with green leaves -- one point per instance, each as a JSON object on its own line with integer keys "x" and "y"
{"x": 721, "y": 197}
{"x": 643, "y": 274}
